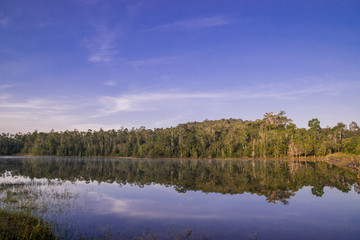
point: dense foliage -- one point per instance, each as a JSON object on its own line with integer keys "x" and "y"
{"x": 273, "y": 136}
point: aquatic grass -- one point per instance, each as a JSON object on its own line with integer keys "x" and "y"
{"x": 17, "y": 225}
{"x": 51, "y": 200}
{"x": 41, "y": 200}
{"x": 188, "y": 234}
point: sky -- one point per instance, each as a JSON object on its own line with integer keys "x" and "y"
{"x": 91, "y": 64}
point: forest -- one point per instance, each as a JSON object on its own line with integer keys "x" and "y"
{"x": 273, "y": 136}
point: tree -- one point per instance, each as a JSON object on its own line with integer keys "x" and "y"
{"x": 353, "y": 127}
{"x": 314, "y": 124}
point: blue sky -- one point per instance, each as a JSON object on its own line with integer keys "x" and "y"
{"x": 89, "y": 63}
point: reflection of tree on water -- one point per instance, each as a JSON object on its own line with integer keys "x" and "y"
{"x": 276, "y": 180}
{"x": 357, "y": 187}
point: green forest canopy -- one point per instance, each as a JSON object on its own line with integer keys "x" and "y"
{"x": 273, "y": 136}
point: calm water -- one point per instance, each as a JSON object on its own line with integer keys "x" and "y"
{"x": 232, "y": 199}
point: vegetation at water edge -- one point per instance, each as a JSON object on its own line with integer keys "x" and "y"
{"x": 18, "y": 225}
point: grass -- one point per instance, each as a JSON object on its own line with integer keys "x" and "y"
{"x": 18, "y": 225}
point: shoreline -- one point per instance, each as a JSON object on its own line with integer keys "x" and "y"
{"x": 340, "y": 159}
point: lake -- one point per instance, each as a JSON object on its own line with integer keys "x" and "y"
{"x": 184, "y": 199}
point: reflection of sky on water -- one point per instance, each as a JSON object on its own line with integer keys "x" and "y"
{"x": 127, "y": 207}
{"x": 157, "y": 208}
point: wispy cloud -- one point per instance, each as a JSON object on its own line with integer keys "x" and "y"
{"x": 158, "y": 108}
{"x": 195, "y": 23}
{"x": 31, "y": 114}
{"x": 138, "y": 102}
{"x": 102, "y": 46}
{"x": 4, "y": 96}
{"x": 147, "y": 101}
{"x": 34, "y": 104}
{"x": 110, "y": 83}
{"x": 5, "y": 86}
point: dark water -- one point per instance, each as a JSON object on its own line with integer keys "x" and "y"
{"x": 216, "y": 199}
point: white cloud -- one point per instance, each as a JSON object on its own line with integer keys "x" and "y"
{"x": 195, "y": 23}
{"x": 102, "y": 46}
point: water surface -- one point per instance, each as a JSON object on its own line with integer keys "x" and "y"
{"x": 219, "y": 199}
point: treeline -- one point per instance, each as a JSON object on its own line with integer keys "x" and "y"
{"x": 273, "y": 136}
